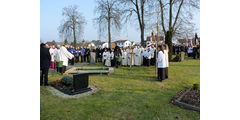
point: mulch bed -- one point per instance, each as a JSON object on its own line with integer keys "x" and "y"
{"x": 192, "y": 97}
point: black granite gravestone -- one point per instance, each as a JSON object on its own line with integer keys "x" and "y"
{"x": 80, "y": 82}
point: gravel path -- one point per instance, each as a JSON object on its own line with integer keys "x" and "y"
{"x": 65, "y": 96}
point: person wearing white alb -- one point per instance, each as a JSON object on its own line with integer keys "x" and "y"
{"x": 124, "y": 57}
{"x": 148, "y": 56}
{"x": 58, "y": 58}
{"x": 167, "y": 62}
{"x": 104, "y": 56}
{"x": 108, "y": 59}
{"x": 65, "y": 55}
{"x": 161, "y": 61}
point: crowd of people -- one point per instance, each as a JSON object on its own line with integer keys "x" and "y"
{"x": 190, "y": 50}
{"x": 60, "y": 56}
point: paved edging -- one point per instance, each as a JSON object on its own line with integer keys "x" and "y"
{"x": 65, "y": 96}
{"x": 185, "y": 105}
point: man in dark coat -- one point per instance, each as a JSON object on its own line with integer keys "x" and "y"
{"x": 194, "y": 52}
{"x": 87, "y": 54}
{"x": 45, "y": 60}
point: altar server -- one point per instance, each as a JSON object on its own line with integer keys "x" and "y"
{"x": 167, "y": 62}
{"x": 161, "y": 60}
{"x": 148, "y": 56}
{"x": 112, "y": 58}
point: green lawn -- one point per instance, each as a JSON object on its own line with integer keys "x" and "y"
{"x": 130, "y": 93}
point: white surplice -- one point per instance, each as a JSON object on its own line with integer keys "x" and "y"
{"x": 65, "y": 55}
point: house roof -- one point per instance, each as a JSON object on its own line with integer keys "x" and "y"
{"x": 120, "y": 41}
{"x": 159, "y": 37}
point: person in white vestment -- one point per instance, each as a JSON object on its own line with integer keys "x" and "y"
{"x": 108, "y": 59}
{"x": 144, "y": 56}
{"x": 65, "y": 55}
{"x": 137, "y": 54}
{"x": 130, "y": 54}
{"x": 104, "y": 56}
{"x": 124, "y": 57}
{"x": 148, "y": 56}
{"x": 161, "y": 61}
{"x": 57, "y": 58}
{"x": 167, "y": 62}
{"x": 152, "y": 49}
{"x": 112, "y": 58}
{"x": 141, "y": 52}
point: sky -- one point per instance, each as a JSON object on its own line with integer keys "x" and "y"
{"x": 51, "y": 17}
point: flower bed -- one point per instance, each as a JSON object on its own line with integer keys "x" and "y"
{"x": 188, "y": 99}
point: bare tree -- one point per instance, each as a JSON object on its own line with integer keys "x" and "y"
{"x": 176, "y": 15}
{"x": 109, "y": 16}
{"x": 72, "y": 25}
{"x": 138, "y": 8}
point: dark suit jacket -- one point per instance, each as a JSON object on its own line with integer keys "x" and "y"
{"x": 45, "y": 58}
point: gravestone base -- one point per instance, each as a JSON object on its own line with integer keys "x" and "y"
{"x": 92, "y": 58}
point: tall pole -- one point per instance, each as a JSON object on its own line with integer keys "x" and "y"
{"x": 156, "y": 54}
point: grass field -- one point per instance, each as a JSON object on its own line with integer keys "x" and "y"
{"x": 128, "y": 94}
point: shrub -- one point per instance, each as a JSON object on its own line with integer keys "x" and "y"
{"x": 196, "y": 86}
{"x": 177, "y": 58}
{"x": 67, "y": 80}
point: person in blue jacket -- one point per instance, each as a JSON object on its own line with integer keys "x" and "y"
{"x": 82, "y": 53}
{"x": 73, "y": 51}
{"x": 77, "y": 55}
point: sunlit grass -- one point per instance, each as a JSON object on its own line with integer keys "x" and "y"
{"x": 130, "y": 93}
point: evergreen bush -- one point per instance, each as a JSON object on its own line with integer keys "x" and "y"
{"x": 67, "y": 80}
{"x": 196, "y": 86}
{"x": 177, "y": 58}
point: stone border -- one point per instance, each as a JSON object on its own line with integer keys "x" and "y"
{"x": 185, "y": 105}
{"x": 58, "y": 93}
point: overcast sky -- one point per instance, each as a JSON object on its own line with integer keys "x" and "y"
{"x": 51, "y": 17}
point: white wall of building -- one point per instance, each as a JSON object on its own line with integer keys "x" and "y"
{"x": 104, "y": 44}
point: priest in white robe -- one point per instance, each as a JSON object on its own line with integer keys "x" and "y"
{"x": 137, "y": 54}
{"x": 130, "y": 54}
{"x": 65, "y": 55}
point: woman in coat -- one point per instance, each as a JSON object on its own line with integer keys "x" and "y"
{"x": 161, "y": 60}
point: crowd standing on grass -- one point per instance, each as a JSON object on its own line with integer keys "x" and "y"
{"x": 58, "y": 57}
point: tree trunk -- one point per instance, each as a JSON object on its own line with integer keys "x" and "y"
{"x": 142, "y": 36}
{"x": 168, "y": 41}
{"x": 74, "y": 37}
{"x": 109, "y": 34}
